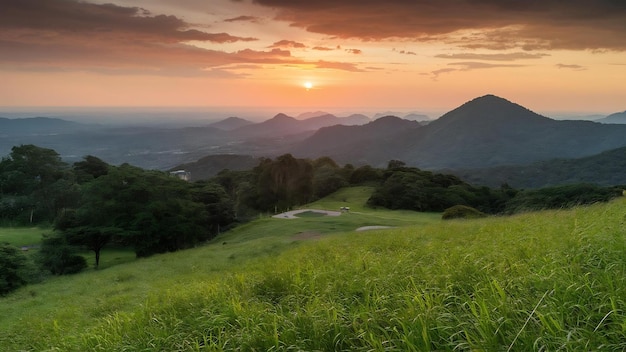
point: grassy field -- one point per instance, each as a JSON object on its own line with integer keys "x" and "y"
{"x": 22, "y": 236}
{"x": 553, "y": 280}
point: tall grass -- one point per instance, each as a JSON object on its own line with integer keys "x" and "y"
{"x": 547, "y": 281}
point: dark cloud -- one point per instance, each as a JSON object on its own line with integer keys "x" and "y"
{"x": 491, "y": 57}
{"x": 531, "y": 25}
{"x": 288, "y": 44}
{"x": 61, "y": 17}
{"x": 65, "y": 35}
{"x": 252, "y": 19}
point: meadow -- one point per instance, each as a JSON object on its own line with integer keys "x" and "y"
{"x": 543, "y": 281}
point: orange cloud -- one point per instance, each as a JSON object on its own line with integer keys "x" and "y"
{"x": 73, "y": 35}
{"x": 287, "y": 44}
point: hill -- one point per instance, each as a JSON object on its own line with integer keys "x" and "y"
{"x": 231, "y": 123}
{"x": 38, "y": 126}
{"x": 211, "y": 165}
{"x": 617, "y": 118}
{"x": 366, "y": 144}
{"x": 605, "y": 169}
{"x": 489, "y": 284}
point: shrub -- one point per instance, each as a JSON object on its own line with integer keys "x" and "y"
{"x": 462, "y": 212}
{"x": 15, "y": 268}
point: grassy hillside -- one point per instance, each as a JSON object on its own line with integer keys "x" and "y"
{"x": 552, "y": 280}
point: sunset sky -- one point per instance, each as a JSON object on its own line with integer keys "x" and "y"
{"x": 423, "y": 55}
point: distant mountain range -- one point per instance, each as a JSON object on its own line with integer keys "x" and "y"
{"x": 617, "y": 118}
{"x": 38, "y": 126}
{"x": 484, "y": 132}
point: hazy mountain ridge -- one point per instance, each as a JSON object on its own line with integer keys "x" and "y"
{"x": 211, "y": 165}
{"x": 39, "y": 125}
{"x": 485, "y": 132}
{"x": 231, "y": 123}
{"x": 617, "y": 118}
{"x": 356, "y": 144}
{"x": 606, "y": 169}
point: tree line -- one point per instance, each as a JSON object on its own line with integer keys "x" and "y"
{"x": 91, "y": 204}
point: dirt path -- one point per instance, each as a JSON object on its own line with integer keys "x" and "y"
{"x": 292, "y": 214}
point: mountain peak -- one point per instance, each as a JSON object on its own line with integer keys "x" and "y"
{"x": 281, "y": 116}
{"x": 491, "y": 110}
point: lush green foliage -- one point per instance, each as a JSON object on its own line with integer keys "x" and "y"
{"x": 15, "y": 268}
{"x": 561, "y": 197}
{"x": 412, "y": 188}
{"x": 58, "y": 257}
{"x": 553, "y": 280}
{"x": 34, "y": 185}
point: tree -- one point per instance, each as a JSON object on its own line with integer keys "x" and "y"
{"x": 58, "y": 257}
{"x": 15, "y": 268}
{"x": 36, "y": 180}
{"x": 90, "y": 168}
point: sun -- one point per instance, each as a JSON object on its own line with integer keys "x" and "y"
{"x": 308, "y": 85}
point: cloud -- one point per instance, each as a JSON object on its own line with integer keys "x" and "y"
{"x": 571, "y": 67}
{"x": 322, "y": 48}
{"x": 252, "y": 19}
{"x": 468, "y": 66}
{"x": 288, "y": 44}
{"x": 529, "y": 25}
{"x": 354, "y": 51}
{"x": 70, "y": 35}
{"x": 344, "y": 66}
{"x": 491, "y": 57}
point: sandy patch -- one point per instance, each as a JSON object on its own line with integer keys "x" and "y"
{"x": 292, "y": 214}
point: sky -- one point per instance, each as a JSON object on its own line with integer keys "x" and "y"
{"x": 410, "y": 55}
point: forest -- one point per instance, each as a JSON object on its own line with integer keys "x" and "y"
{"x": 91, "y": 204}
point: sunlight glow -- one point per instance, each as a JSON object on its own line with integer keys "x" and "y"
{"x": 308, "y": 85}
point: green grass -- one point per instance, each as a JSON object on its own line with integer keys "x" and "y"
{"x": 553, "y": 280}
{"x": 22, "y": 236}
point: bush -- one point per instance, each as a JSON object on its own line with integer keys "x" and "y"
{"x": 58, "y": 257}
{"x": 462, "y": 212}
{"x": 15, "y": 268}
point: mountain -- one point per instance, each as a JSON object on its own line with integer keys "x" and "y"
{"x": 309, "y": 114}
{"x": 417, "y": 117}
{"x": 211, "y": 165}
{"x": 605, "y": 169}
{"x": 278, "y": 125}
{"x": 485, "y": 132}
{"x": 282, "y": 125}
{"x": 617, "y": 118}
{"x": 355, "y": 119}
{"x": 365, "y": 144}
{"x": 490, "y": 131}
{"x": 231, "y": 123}
{"x": 38, "y": 126}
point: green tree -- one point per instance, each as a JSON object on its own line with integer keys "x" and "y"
{"x": 15, "y": 268}
{"x": 58, "y": 257}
